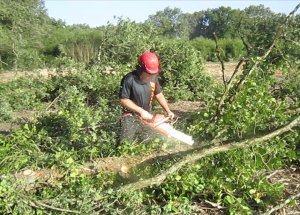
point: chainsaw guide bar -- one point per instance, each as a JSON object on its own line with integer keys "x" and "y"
{"x": 162, "y": 124}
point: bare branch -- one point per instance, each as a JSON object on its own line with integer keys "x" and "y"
{"x": 220, "y": 58}
{"x": 292, "y": 41}
{"x": 240, "y": 84}
{"x": 282, "y": 204}
{"x": 32, "y": 202}
{"x": 227, "y": 88}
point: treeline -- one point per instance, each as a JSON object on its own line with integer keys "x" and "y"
{"x": 30, "y": 39}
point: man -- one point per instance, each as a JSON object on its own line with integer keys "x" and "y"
{"x": 137, "y": 91}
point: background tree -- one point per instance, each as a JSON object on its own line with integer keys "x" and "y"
{"x": 220, "y": 21}
{"x": 23, "y": 25}
{"x": 166, "y": 22}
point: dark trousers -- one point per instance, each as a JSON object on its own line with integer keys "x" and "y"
{"x": 133, "y": 129}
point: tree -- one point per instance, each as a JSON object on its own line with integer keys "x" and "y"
{"x": 259, "y": 19}
{"x": 166, "y": 21}
{"x": 188, "y": 24}
{"x": 220, "y": 21}
{"x": 23, "y": 25}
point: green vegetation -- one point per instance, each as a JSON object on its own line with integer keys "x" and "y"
{"x": 65, "y": 158}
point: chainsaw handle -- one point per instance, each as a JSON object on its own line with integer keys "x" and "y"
{"x": 157, "y": 120}
{"x": 161, "y": 121}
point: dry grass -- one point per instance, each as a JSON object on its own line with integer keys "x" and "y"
{"x": 215, "y": 69}
{"x": 46, "y": 73}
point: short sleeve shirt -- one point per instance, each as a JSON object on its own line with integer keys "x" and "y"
{"x": 138, "y": 91}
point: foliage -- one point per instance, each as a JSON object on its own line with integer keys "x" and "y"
{"x": 232, "y": 49}
{"x": 6, "y": 112}
{"x": 166, "y": 22}
{"x": 206, "y": 47}
{"x": 124, "y": 43}
{"x": 78, "y": 114}
{"x": 83, "y": 47}
{"x": 182, "y": 75}
{"x": 25, "y": 93}
{"x": 222, "y": 21}
{"x": 23, "y": 24}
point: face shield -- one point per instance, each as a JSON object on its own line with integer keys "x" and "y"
{"x": 146, "y": 77}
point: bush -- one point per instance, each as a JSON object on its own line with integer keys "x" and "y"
{"x": 6, "y": 111}
{"x": 206, "y": 47}
{"x": 182, "y": 76}
{"x": 231, "y": 49}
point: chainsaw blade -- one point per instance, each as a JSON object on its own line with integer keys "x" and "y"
{"x": 159, "y": 123}
{"x": 182, "y": 136}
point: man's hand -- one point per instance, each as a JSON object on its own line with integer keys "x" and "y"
{"x": 171, "y": 115}
{"x": 146, "y": 115}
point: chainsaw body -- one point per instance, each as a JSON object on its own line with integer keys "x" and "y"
{"x": 162, "y": 124}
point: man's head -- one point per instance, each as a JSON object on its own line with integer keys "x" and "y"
{"x": 149, "y": 63}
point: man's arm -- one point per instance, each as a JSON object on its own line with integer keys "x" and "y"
{"x": 163, "y": 103}
{"x": 127, "y": 103}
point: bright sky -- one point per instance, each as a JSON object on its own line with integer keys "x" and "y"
{"x": 96, "y": 13}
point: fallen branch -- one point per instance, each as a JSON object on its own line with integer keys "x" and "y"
{"x": 157, "y": 180}
{"x": 282, "y": 204}
{"x": 34, "y": 203}
{"x": 29, "y": 179}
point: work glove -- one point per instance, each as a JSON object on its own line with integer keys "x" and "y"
{"x": 146, "y": 115}
{"x": 171, "y": 115}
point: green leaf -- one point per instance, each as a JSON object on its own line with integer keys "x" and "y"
{"x": 178, "y": 177}
{"x": 230, "y": 199}
{"x": 252, "y": 191}
{"x": 292, "y": 203}
{"x": 70, "y": 160}
{"x": 73, "y": 174}
{"x": 174, "y": 209}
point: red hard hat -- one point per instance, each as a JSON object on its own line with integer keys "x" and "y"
{"x": 149, "y": 62}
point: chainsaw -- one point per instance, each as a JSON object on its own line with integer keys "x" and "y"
{"x": 163, "y": 125}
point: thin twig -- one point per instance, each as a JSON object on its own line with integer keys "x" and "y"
{"x": 220, "y": 59}
{"x": 45, "y": 205}
{"x": 52, "y": 102}
{"x": 240, "y": 84}
{"x": 282, "y": 204}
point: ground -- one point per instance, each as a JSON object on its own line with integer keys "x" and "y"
{"x": 289, "y": 176}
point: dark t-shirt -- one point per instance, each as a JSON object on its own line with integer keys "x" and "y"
{"x": 138, "y": 91}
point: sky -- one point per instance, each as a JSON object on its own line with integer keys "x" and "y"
{"x": 98, "y": 12}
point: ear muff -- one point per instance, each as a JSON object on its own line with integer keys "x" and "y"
{"x": 141, "y": 66}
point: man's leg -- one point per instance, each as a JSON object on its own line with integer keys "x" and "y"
{"x": 128, "y": 129}
{"x": 147, "y": 134}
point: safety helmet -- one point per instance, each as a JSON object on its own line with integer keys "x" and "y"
{"x": 149, "y": 62}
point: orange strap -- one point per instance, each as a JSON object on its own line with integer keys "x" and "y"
{"x": 153, "y": 85}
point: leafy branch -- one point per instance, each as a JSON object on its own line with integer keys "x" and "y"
{"x": 123, "y": 165}
{"x": 157, "y": 180}
{"x": 229, "y": 99}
